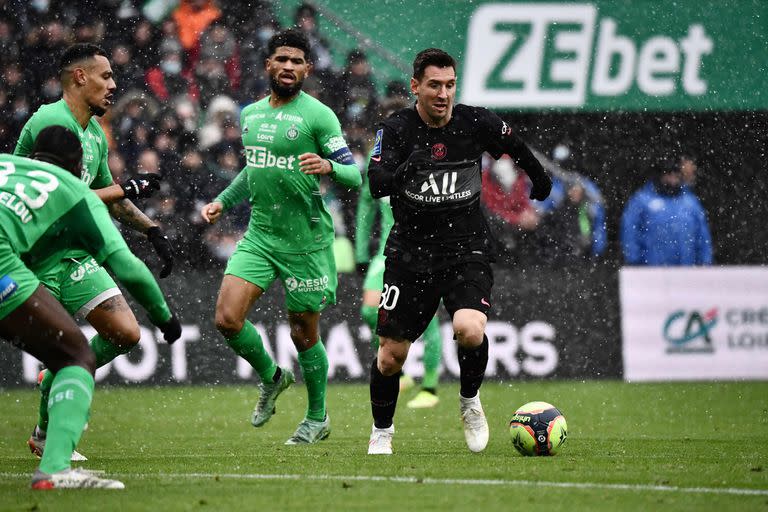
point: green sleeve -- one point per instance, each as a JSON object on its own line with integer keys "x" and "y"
{"x": 387, "y": 221}
{"x": 333, "y": 147}
{"x": 24, "y": 144}
{"x": 346, "y": 174}
{"x": 104, "y": 175}
{"x": 132, "y": 273}
{"x": 366, "y": 215}
{"x": 235, "y": 191}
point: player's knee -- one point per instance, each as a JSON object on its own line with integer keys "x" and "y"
{"x": 469, "y": 332}
{"x": 125, "y": 334}
{"x": 227, "y": 323}
{"x": 388, "y": 363}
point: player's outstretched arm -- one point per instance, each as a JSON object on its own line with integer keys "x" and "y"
{"x": 90, "y": 228}
{"x": 132, "y": 273}
{"x": 229, "y": 197}
{"x": 127, "y": 213}
{"x": 141, "y": 186}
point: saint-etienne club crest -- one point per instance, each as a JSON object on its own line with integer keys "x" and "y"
{"x": 292, "y": 133}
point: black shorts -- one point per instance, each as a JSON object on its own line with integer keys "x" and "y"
{"x": 410, "y": 299}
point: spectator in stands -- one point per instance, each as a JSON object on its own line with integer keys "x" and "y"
{"x": 9, "y": 44}
{"x": 144, "y": 44}
{"x": 87, "y": 29}
{"x": 664, "y": 224}
{"x": 211, "y": 79}
{"x": 221, "y": 109}
{"x": 218, "y": 42}
{"x": 505, "y": 197}
{"x": 192, "y": 17}
{"x": 43, "y": 46}
{"x": 397, "y": 89}
{"x": 689, "y": 169}
{"x": 572, "y": 226}
{"x": 127, "y": 73}
{"x": 573, "y": 216}
{"x": 360, "y": 96}
{"x": 166, "y": 81}
{"x": 305, "y": 20}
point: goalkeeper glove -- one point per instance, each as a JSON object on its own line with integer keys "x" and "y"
{"x": 141, "y": 186}
{"x": 171, "y": 329}
{"x": 163, "y": 248}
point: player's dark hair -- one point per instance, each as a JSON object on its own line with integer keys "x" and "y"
{"x": 58, "y": 145}
{"x": 78, "y": 52}
{"x": 431, "y": 57}
{"x": 292, "y": 38}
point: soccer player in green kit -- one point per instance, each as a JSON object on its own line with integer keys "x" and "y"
{"x": 44, "y": 212}
{"x": 374, "y": 282}
{"x": 290, "y": 140}
{"x": 78, "y": 282}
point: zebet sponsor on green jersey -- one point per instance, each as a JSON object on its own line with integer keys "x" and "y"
{"x": 95, "y": 172}
{"x": 288, "y": 213}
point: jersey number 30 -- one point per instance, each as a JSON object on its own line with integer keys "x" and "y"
{"x": 43, "y": 185}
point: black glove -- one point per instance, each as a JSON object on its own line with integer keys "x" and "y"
{"x": 141, "y": 186}
{"x": 163, "y": 248}
{"x": 542, "y": 185}
{"x": 171, "y": 329}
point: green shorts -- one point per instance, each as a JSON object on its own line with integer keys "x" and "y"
{"x": 17, "y": 282}
{"x": 374, "y": 278}
{"x": 309, "y": 280}
{"x": 80, "y": 285}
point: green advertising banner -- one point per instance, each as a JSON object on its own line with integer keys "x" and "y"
{"x": 603, "y": 55}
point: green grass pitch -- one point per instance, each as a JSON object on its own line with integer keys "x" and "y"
{"x": 672, "y": 446}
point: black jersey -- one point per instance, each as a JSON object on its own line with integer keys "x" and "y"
{"x": 433, "y": 178}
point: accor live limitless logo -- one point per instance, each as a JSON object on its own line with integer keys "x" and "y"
{"x": 553, "y": 55}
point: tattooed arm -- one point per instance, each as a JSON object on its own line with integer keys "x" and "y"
{"x": 128, "y": 214}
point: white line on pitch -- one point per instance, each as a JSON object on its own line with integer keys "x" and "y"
{"x": 446, "y": 481}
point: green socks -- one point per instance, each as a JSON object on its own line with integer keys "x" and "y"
{"x": 248, "y": 345}
{"x": 70, "y": 394}
{"x": 314, "y": 367}
{"x": 433, "y": 348}
{"x": 105, "y": 352}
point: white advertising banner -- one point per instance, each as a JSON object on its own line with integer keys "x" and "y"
{"x": 694, "y": 323}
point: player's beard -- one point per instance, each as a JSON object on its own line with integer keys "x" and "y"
{"x": 97, "y": 110}
{"x": 285, "y": 91}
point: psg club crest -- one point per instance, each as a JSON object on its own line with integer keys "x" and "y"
{"x": 439, "y": 151}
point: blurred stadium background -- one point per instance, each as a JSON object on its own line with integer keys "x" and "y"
{"x": 615, "y": 86}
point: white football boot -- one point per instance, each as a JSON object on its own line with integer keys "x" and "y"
{"x": 381, "y": 440}
{"x": 475, "y": 424}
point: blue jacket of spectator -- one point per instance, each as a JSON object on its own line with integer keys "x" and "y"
{"x": 665, "y": 230}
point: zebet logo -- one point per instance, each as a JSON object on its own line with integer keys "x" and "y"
{"x": 260, "y": 157}
{"x": 555, "y": 55}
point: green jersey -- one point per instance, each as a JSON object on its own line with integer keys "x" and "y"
{"x": 95, "y": 169}
{"x": 45, "y": 212}
{"x": 95, "y": 172}
{"x": 33, "y": 195}
{"x": 288, "y": 214}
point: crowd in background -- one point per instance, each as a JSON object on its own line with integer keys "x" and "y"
{"x": 183, "y": 73}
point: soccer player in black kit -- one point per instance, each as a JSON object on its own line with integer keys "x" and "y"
{"x": 427, "y": 159}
